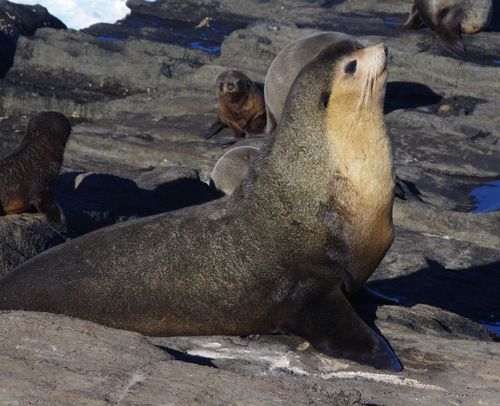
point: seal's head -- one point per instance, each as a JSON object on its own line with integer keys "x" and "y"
{"x": 50, "y": 129}
{"x": 233, "y": 84}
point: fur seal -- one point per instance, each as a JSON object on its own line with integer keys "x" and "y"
{"x": 449, "y": 19}
{"x": 241, "y": 105}
{"x": 287, "y": 65}
{"x": 309, "y": 224}
{"x": 27, "y": 175}
{"x": 231, "y": 168}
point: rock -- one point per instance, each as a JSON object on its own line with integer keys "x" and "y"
{"x": 56, "y": 360}
{"x": 24, "y": 236}
{"x": 19, "y": 19}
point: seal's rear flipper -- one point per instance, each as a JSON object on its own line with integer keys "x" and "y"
{"x": 332, "y": 326}
{"x": 217, "y": 126}
{"x": 367, "y": 294}
{"x": 414, "y": 20}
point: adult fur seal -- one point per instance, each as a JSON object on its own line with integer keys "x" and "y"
{"x": 308, "y": 226}
{"x": 287, "y": 65}
{"x": 232, "y": 167}
{"x": 241, "y": 105}
{"x": 27, "y": 175}
{"x": 449, "y": 19}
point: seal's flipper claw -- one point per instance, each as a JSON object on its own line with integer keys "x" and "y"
{"x": 332, "y": 326}
{"x": 367, "y": 294}
{"x": 414, "y": 19}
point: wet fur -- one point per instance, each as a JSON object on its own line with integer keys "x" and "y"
{"x": 27, "y": 175}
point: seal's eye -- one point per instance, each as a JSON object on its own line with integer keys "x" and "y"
{"x": 221, "y": 86}
{"x": 351, "y": 67}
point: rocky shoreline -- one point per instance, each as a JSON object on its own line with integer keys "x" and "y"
{"x": 140, "y": 93}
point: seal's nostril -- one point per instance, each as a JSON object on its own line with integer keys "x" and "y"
{"x": 386, "y": 51}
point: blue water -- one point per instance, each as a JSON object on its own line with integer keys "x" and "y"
{"x": 496, "y": 62}
{"x": 109, "y": 38}
{"x": 211, "y": 49}
{"x": 493, "y": 326}
{"x": 487, "y": 197}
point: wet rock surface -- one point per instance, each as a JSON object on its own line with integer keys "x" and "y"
{"x": 140, "y": 93}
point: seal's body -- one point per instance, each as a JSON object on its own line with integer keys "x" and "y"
{"x": 449, "y": 19}
{"x": 231, "y": 168}
{"x": 287, "y": 65}
{"x": 309, "y": 224}
{"x": 27, "y": 175}
{"x": 241, "y": 105}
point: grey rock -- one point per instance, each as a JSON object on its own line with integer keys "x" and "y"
{"x": 24, "y": 236}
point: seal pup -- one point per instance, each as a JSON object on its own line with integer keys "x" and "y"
{"x": 27, "y": 175}
{"x": 231, "y": 168}
{"x": 309, "y": 224}
{"x": 449, "y": 19}
{"x": 241, "y": 105}
{"x": 287, "y": 65}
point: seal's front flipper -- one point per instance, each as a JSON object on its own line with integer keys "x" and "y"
{"x": 217, "y": 126}
{"x": 449, "y": 35}
{"x": 414, "y": 20}
{"x": 367, "y": 294}
{"x": 332, "y": 326}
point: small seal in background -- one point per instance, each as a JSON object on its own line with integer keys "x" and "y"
{"x": 449, "y": 19}
{"x": 241, "y": 105}
{"x": 27, "y": 175}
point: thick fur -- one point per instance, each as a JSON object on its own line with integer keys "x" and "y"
{"x": 27, "y": 175}
{"x": 305, "y": 227}
{"x": 241, "y": 105}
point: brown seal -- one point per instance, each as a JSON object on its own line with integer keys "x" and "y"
{"x": 307, "y": 227}
{"x": 449, "y": 19}
{"x": 27, "y": 175}
{"x": 287, "y": 65}
{"x": 241, "y": 105}
{"x": 231, "y": 168}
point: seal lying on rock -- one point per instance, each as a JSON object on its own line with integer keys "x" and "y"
{"x": 27, "y": 175}
{"x": 450, "y": 18}
{"x": 309, "y": 224}
{"x": 241, "y": 105}
{"x": 287, "y": 65}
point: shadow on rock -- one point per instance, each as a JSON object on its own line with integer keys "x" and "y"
{"x": 470, "y": 292}
{"x": 92, "y": 201}
{"x": 409, "y": 95}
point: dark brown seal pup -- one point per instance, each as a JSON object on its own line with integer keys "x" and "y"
{"x": 27, "y": 175}
{"x": 308, "y": 226}
{"x": 241, "y": 105}
{"x": 287, "y": 65}
{"x": 449, "y": 19}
